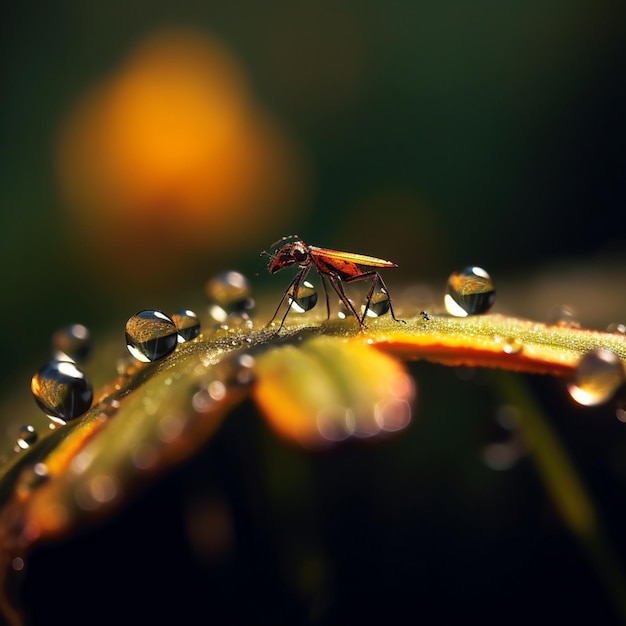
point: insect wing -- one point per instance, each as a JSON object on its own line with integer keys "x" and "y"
{"x": 350, "y": 257}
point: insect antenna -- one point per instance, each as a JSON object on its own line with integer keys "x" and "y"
{"x": 285, "y": 238}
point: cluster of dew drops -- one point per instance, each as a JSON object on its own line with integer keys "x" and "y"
{"x": 63, "y": 391}
{"x": 599, "y": 377}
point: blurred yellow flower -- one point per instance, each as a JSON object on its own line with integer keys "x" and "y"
{"x": 170, "y": 162}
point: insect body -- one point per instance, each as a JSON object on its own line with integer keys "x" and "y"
{"x": 338, "y": 267}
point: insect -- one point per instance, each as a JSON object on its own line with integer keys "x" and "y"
{"x": 338, "y": 267}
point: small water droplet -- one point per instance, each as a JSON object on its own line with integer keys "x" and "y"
{"x": 187, "y": 324}
{"x": 510, "y": 345}
{"x": 513, "y": 345}
{"x": 62, "y": 391}
{"x": 469, "y": 292}
{"x": 229, "y": 294}
{"x": 564, "y": 316}
{"x": 379, "y": 304}
{"x": 306, "y": 298}
{"x": 617, "y": 328}
{"x": 26, "y": 437}
{"x": 72, "y": 343}
{"x": 425, "y": 316}
{"x": 599, "y": 374}
{"x": 151, "y": 335}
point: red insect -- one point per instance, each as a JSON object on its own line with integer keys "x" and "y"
{"x": 338, "y": 267}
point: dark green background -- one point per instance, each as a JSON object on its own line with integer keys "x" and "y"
{"x": 505, "y": 123}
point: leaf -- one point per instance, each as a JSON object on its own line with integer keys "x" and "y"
{"x": 326, "y": 390}
{"x": 316, "y": 384}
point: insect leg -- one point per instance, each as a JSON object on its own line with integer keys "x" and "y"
{"x": 295, "y": 283}
{"x": 336, "y": 283}
{"x": 375, "y": 278}
{"x": 326, "y": 292}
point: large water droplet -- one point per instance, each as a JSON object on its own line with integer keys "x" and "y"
{"x": 229, "y": 294}
{"x": 151, "y": 335}
{"x": 599, "y": 374}
{"x": 187, "y": 325}
{"x": 306, "y": 298}
{"x": 379, "y": 304}
{"x": 26, "y": 437}
{"x": 72, "y": 343}
{"x": 62, "y": 390}
{"x": 469, "y": 292}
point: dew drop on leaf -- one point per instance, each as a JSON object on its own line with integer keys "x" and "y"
{"x": 62, "y": 391}
{"x": 228, "y": 294}
{"x": 151, "y": 335}
{"x": 342, "y": 311}
{"x": 599, "y": 374}
{"x": 379, "y": 304}
{"x": 26, "y": 437}
{"x": 564, "y": 316}
{"x": 187, "y": 325}
{"x": 306, "y": 298}
{"x": 469, "y": 292}
{"x": 510, "y": 345}
{"x": 72, "y": 343}
{"x": 617, "y": 328}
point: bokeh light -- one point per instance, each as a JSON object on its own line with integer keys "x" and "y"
{"x": 170, "y": 160}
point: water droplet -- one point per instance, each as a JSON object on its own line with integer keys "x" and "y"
{"x": 469, "y": 292}
{"x": 425, "y": 316}
{"x": 72, "y": 343}
{"x": 513, "y": 345}
{"x": 306, "y": 298}
{"x": 151, "y": 335}
{"x": 342, "y": 310}
{"x": 229, "y": 294}
{"x": 563, "y": 315}
{"x": 62, "y": 391}
{"x": 379, "y": 304}
{"x": 617, "y": 328}
{"x": 26, "y": 437}
{"x": 510, "y": 345}
{"x": 187, "y": 325}
{"x": 599, "y": 374}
